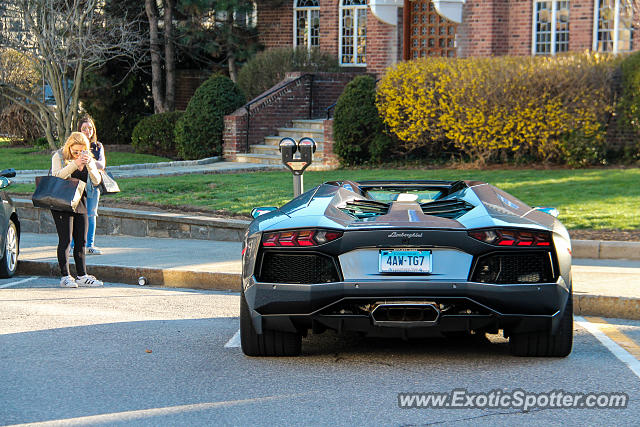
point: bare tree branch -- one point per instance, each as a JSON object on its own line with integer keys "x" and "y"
{"x": 66, "y": 39}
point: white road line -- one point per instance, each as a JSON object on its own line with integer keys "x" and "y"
{"x": 7, "y": 285}
{"x": 611, "y": 345}
{"x": 234, "y": 341}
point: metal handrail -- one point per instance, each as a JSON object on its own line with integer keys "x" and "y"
{"x": 329, "y": 109}
{"x": 272, "y": 92}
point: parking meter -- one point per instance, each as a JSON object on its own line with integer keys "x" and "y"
{"x": 306, "y": 147}
{"x": 288, "y": 148}
{"x": 297, "y": 162}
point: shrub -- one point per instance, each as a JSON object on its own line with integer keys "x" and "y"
{"x": 199, "y": 131}
{"x": 269, "y": 67}
{"x": 155, "y": 134}
{"x": 357, "y": 128}
{"x": 19, "y": 124}
{"x": 496, "y": 109}
{"x": 630, "y": 99}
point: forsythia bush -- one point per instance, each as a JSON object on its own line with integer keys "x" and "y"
{"x": 491, "y": 109}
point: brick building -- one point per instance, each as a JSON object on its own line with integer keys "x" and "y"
{"x": 370, "y": 35}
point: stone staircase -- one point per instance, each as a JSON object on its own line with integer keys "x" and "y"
{"x": 268, "y": 152}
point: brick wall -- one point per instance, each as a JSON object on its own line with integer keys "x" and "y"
{"x": 275, "y": 24}
{"x": 581, "y": 25}
{"x": 187, "y": 81}
{"x": 327, "y": 88}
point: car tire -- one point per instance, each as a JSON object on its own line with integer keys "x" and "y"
{"x": 9, "y": 260}
{"x": 269, "y": 343}
{"x": 543, "y": 344}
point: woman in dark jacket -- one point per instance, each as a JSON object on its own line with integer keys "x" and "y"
{"x": 74, "y": 160}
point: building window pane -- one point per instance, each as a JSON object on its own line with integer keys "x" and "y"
{"x": 307, "y": 23}
{"x": 353, "y": 35}
{"x": 551, "y": 27}
{"x": 614, "y": 31}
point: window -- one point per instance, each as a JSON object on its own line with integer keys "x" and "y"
{"x": 306, "y": 23}
{"x": 550, "y": 27}
{"x": 613, "y": 31}
{"x": 353, "y": 32}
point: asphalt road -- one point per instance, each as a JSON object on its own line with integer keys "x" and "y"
{"x": 128, "y": 355}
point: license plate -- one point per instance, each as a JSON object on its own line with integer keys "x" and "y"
{"x": 400, "y": 261}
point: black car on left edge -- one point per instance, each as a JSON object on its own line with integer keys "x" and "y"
{"x": 9, "y": 229}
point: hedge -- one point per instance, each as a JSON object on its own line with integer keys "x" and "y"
{"x": 552, "y": 109}
{"x": 199, "y": 131}
{"x": 357, "y": 129}
{"x": 155, "y": 134}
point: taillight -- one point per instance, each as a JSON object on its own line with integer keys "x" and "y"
{"x": 512, "y": 237}
{"x": 296, "y": 238}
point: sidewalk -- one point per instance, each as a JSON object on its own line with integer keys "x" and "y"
{"x": 609, "y": 288}
{"x": 204, "y": 166}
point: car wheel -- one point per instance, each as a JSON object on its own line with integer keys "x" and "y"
{"x": 9, "y": 262}
{"x": 269, "y": 343}
{"x": 543, "y": 344}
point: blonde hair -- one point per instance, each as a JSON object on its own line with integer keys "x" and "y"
{"x": 76, "y": 138}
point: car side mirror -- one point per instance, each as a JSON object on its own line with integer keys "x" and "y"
{"x": 8, "y": 173}
{"x": 551, "y": 211}
{"x": 256, "y": 212}
{"x": 4, "y": 182}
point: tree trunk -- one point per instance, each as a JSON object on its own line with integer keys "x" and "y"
{"x": 169, "y": 56}
{"x": 156, "y": 59}
{"x": 233, "y": 68}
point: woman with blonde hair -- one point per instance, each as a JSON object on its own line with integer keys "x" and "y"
{"x": 74, "y": 160}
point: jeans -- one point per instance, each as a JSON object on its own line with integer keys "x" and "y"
{"x": 92, "y": 211}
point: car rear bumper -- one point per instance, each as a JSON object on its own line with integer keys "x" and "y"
{"x": 461, "y": 305}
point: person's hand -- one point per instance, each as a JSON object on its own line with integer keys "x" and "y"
{"x": 85, "y": 158}
{"x": 79, "y": 162}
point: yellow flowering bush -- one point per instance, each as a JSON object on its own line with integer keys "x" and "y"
{"x": 496, "y": 108}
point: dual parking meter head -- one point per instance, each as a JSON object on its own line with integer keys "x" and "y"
{"x": 305, "y": 147}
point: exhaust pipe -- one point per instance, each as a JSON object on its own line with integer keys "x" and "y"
{"x": 404, "y": 314}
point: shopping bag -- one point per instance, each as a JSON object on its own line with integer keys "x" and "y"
{"x": 57, "y": 193}
{"x": 108, "y": 185}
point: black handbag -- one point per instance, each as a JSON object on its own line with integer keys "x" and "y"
{"x": 108, "y": 185}
{"x": 57, "y": 193}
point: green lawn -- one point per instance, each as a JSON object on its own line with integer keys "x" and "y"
{"x": 27, "y": 158}
{"x": 592, "y": 198}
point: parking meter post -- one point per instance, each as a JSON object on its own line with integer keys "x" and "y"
{"x": 297, "y": 185}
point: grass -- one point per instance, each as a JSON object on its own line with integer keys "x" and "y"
{"x": 586, "y": 198}
{"x": 25, "y": 158}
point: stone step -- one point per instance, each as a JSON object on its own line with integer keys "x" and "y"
{"x": 265, "y": 149}
{"x": 309, "y": 124}
{"x": 275, "y": 140}
{"x": 267, "y": 159}
{"x": 297, "y": 133}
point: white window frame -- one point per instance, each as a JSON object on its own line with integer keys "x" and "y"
{"x": 616, "y": 27}
{"x": 554, "y": 13}
{"x": 309, "y": 10}
{"x": 355, "y": 35}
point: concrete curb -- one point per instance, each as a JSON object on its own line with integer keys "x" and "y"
{"x": 607, "y": 306}
{"x": 169, "y": 277}
{"x": 588, "y": 305}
